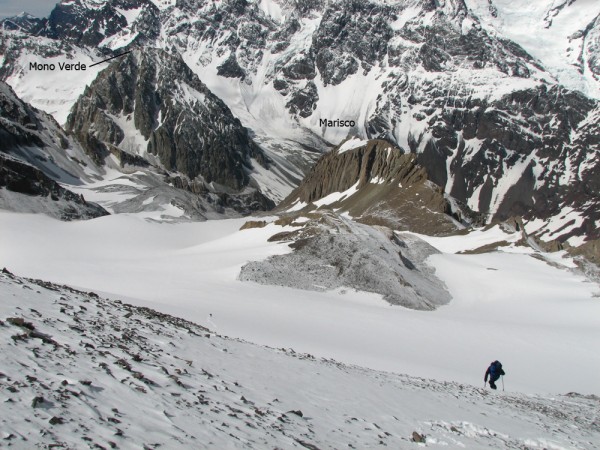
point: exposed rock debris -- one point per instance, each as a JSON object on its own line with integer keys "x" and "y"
{"x": 118, "y": 376}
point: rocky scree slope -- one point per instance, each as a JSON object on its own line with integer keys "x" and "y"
{"x": 333, "y": 252}
{"x": 80, "y": 370}
{"x": 34, "y": 154}
{"x": 150, "y": 109}
{"x": 376, "y": 183}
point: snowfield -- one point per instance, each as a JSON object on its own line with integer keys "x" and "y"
{"x": 540, "y": 319}
{"x": 82, "y": 371}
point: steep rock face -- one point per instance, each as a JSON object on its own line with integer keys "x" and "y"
{"x": 24, "y": 188}
{"x": 379, "y": 184}
{"x": 529, "y": 153}
{"x": 24, "y": 22}
{"x": 150, "y": 104}
{"x": 34, "y": 137}
{"x": 91, "y": 23}
{"x": 35, "y": 153}
{"x": 23, "y": 125}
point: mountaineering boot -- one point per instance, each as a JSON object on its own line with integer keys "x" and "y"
{"x": 492, "y": 385}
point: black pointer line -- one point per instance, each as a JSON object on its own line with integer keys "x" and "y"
{"x": 110, "y": 59}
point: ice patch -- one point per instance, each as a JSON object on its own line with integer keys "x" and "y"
{"x": 272, "y": 10}
{"x": 351, "y": 144}
{"x": 297, "y": 206}
{"x": 337, "y": 196}
{"x": 131, "y": 15}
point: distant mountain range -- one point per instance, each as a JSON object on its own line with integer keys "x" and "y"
{"x": 234, "y": 98}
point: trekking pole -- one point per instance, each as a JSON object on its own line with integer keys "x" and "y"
{"x": 502, "y": 382}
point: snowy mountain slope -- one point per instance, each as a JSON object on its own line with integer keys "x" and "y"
{"x": 25, "y": 188}
{"x": 34, "y": 137}
{"x": 53, "y": 91}
{"x": 507, "y": 304}
{"x": 76, "y": 31}
{"x": 147, "y": 193}
{"x": 433, "y": 81}
{"x": 78, "y": 369}
{"x": 128, "y": 24}
{"x": 563, "y": 35}
{"x": 487, "y": 120}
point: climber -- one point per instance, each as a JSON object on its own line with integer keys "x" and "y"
{"x": 494, "y": 372}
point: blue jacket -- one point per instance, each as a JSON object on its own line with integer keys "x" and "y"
{"x": 494, "y": 371}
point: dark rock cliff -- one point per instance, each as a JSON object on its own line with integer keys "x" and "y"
{"x": 177, "y": 118}
{"x": 33, "y": 156}
{"x": 49, "y": 197}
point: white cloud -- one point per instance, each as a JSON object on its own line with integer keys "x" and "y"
{"x": 39, "y": 8}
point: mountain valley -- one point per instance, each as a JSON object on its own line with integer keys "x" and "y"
{"x": 354, "y": 205}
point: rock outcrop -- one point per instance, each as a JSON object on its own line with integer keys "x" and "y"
{"x": 35, "y": 153}
{"x": 24, "y": 188}
{"x": 377, "y": 183}
{"x": 331, "y": 252}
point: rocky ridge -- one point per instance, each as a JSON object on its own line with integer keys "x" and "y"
{"x": 175, "y": 117}
{"x": 34, "y": 136}
{"x": 40, "y": 155}
{"x": 149, "y": 109}
{"x": 24, "y": 188}
{"x": 377, "y": 183}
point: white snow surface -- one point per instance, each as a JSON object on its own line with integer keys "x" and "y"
{"x": 337, "y": 196}
{"x": 549, "y": 30}
{"x": 351, "y": 144}
{"x": 54, "y": 91}
{"x": 506, "y": 305}
{"x": 95, "y": 372}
